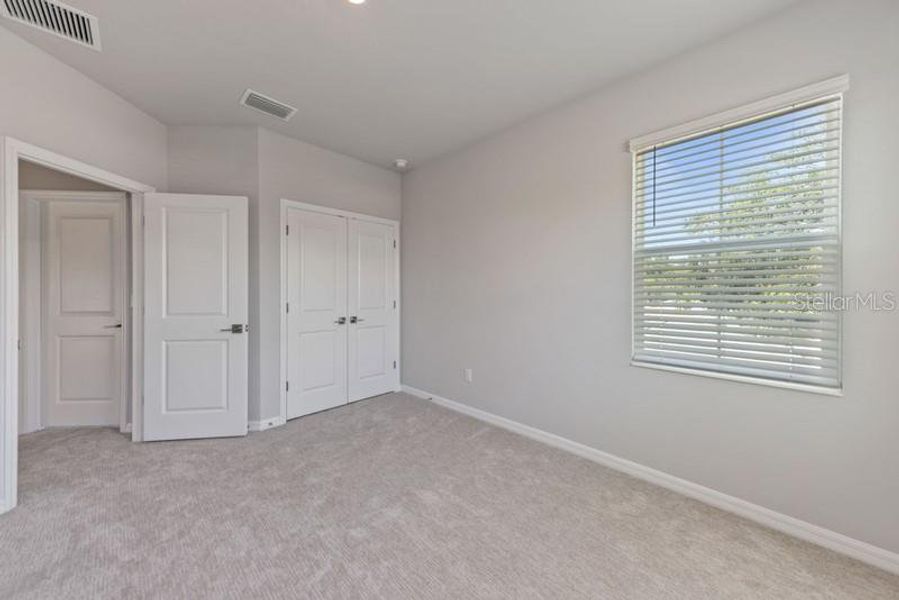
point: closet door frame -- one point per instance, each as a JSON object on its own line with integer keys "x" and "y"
{"x": 286, "y": 205}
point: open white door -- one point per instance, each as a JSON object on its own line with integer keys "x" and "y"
{"x": 196, "y": 295}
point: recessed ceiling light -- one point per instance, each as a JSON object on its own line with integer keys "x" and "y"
{"x": 356, "y": 1}
{"x": 401, "y": 164}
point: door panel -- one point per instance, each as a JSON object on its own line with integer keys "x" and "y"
{"x": 195, "y": 286}
{"x": 316, "y": 295}
{"x": 373, "y": 343}
{"x": 184, "y": 391}
{"x": 371, "y": 350}
{"x": 84, "y": 307}
{"x": 321, "y": 350}
{"x": 86, "y": 276}
{"x": 86, "y": 367}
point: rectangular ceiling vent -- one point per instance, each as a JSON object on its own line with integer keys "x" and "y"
{"x": 56, "y": 18}
{"x": 267, "y": 105}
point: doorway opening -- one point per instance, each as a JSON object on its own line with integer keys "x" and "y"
{"x": 74, "y": 291}
{"x": 16, "y": 154}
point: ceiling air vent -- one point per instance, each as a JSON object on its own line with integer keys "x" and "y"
{"x": 267, "y": 105}
{"x": 56, "y": 18}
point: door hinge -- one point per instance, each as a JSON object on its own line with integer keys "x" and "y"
{"x": 287, "y": 307}
{"x": 394, "y": 243}
{"x": 287, "y": 230}
{"x": 286, "y": 386}
{"x": 143, "y": 220}
{"x": 394, "y": 364}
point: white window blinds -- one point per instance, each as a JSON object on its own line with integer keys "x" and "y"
{"x": 736, "y": 242}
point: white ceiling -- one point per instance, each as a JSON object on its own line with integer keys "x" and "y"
{"x": 390, "y": 78}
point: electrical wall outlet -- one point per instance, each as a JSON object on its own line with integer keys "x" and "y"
{"x": 467, "y": 374}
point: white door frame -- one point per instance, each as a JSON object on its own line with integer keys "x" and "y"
{"x": 11, "y": 152}
{"x": 32, "y": 357}
{"x": 288, "y": 204}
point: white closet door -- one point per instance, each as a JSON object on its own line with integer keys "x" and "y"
{"x": 196, "y": 296}
{"x": 373, "y": 327}
{"x": 316, "y": 269}
{"x": 84, "y": 270}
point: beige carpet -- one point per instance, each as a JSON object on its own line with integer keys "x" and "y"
{"x": 389, "y": 498}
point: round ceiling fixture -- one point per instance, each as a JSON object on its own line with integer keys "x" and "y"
{"x": 401, "y": 164}
{"x": 356, "y": 1}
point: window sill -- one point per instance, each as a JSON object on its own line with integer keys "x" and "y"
{"x": 799, "y": 387}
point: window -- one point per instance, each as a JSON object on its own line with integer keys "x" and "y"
{"x": 736, "y": 241}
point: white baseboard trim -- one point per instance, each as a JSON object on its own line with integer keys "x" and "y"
{"x": 862, "y": 551}
{"x": 265, "y": 424}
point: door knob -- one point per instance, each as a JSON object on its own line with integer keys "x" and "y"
{"x": 355, "y": 319}
{"x": 236, "y": 328}
{"x": 116, "y": 326}
{"x": 341, "y": 321}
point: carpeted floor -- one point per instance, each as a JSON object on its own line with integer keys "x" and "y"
{"x": 388, "y": 498}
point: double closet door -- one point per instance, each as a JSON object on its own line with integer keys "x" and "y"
{"x": 342, "y": 325}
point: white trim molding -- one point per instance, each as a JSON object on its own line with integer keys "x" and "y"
{"x": 862, "y": 551}
{"x": 266, "y": 424}
{"x": 22, "y": 150}
{"x": 327, "y": 210}
{"x": 9, "y": 321}
{"x": 822, "y": 89}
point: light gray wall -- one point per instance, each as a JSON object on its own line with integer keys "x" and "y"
{"x": 295, "y": 170}
{"x": 49, "y": 104}
{"x": 267, "y": 167}
{"x": 36, "y": 177}
{"x": 213, "y": 160}
{"x": 516, "y": 263}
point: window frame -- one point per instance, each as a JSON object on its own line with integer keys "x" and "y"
{"x": 823, "y": 90}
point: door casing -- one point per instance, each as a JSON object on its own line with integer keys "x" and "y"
{"x": 292, "y": 204}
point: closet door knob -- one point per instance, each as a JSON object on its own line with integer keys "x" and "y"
{"x": 341, "y": 321}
